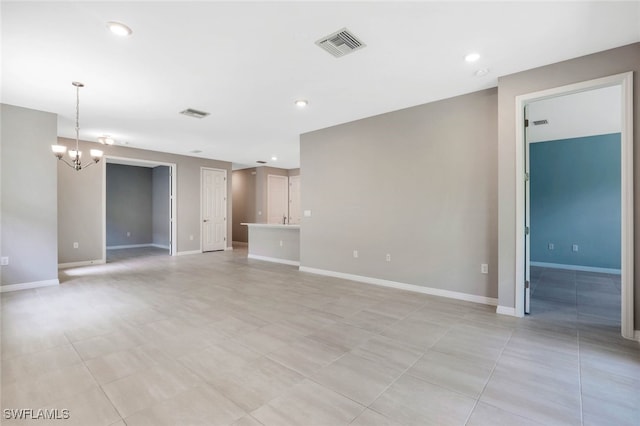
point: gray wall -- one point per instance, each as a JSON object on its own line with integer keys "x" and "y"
{"x": 81, "y": 217}
{"x": 419, "y": 184}
{"x": 266, "y": 241}
{"x": 160, "y": 211}
{"x": 129, "y": 205}
{"x": 28, "y": 207}
{"x": 244, "y": 202}
{"x": 610, "y": 62}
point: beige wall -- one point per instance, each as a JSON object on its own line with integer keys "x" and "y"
{"x": 244, "y": 202}
{"x": 81, "y": 204}
{"x": 419, "y": 184}
{"x": 610, "y": 62}
{"x": 250, "y": 197}
{"x": 28, "y": 206}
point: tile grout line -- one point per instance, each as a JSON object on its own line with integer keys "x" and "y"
{"x": 495, "y": 365}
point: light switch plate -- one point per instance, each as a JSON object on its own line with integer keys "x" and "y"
{"x": 307, "y": 213}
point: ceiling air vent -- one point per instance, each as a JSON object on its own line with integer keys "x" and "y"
{"x": 340, "y": 43}
{"x": 190, "y": 112}
{"x": 540, "y": 122}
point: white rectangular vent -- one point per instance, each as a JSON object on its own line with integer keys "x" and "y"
{"x": 340, "y": 43}
{"x": 540, "y": 122}
{"x": 190, "y": 112}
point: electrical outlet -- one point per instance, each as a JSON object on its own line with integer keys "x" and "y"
{"x": 574, "y": 247}
{"x": 259, "y": 212}
{"x": 307, "y": 213}
{"x": 388, "y": 257}
{"x": 551, "y": 246}
{"x": 191, "y": 237}
{"x": 128, "y": 234}
{"x": 281, "y": 243}
{"x": 355, "y": 254}
{"x": 484, "y": 268}
{"x": 4, "y": 261}
{"x": 76, "y": 245}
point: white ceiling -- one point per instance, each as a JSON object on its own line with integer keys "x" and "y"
{"x": 594, "y": 112}
{"x": 246, "y": 63}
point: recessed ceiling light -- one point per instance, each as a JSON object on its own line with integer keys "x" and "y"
{"x": 119, "y": 29}
{"x": 481, "y": 72}
{"x": 195, "y": 151}
{"x": 261, "y": 162}
{"x": 301, "y": 103}
{"x": 274, "y": 158}
{"x": 472, "y": 57}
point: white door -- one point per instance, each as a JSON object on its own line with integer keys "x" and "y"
{"x": 214, "y": 209}
{"x": 277, "y": 199}
{"x": 294, "y": 200}
{"x": 527, "y": 219}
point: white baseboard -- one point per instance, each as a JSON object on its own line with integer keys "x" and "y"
{"x": 186, "y": 253}
{"x": 273, "y": 259}
{"x": 160, "y": 246}
{"x": 577, "y": 268}
{"x": 129, "y": 246}
{"x": 82, "y": 263}
{"x": 228, "y": 248}
{"x": 636, "y": 335}
{"x": 403, "y": 286}
{"x": 27, "y": 286}
{"x": 505, "y": 310}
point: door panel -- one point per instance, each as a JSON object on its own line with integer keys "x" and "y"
{"x": 214, "y": 209}
{"x": 277, "y": 198}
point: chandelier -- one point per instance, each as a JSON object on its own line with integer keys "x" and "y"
{"x": 75, "y": 155}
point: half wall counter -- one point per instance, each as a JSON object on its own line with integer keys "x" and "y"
{"x": 274, "y": 243}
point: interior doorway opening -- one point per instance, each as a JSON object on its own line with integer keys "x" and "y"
{"x": 573, "y": 208}
{"x": 523, "y": 241}
{"x": 139, "y": 209}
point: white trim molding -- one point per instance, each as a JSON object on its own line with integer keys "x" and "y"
{"x": 625, "y": 81}
{"x": 187, "y": 253}
{"x": 81, "y": 263}
{"x": 28, "y": 286}
{"x": 636, "y": 335}
{"x": 505, "y": 310}
{"x": 576, "y": 268}
{"x": 128, "y": 246}
{"x": 160, "y": 246}
{"x": 403, "y": 286}
{"x": 273, "y": 259}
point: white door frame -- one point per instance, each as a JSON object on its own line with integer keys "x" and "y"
{"x": 625, "y": 81}
{"x": 173, "y": 196}
{"x": 226, "y": 196}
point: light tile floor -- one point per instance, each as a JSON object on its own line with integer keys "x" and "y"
{"x": 216, "y": 339}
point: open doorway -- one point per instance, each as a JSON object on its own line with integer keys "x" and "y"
{"x": 523, "y": 238}
{"x": 573, "y": 164}
{"x": 139, "y": 210}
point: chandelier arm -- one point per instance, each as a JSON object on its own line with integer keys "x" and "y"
{"x": 90, "y": 164}
{"x": 67, "y": 163}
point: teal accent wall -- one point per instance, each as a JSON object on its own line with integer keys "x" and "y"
{"x": 575, "y": 199}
